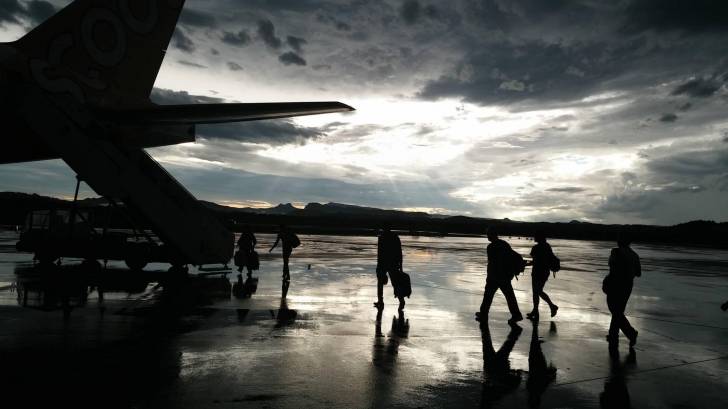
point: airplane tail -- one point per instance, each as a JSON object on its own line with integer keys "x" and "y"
{"x": 105, "y": 52}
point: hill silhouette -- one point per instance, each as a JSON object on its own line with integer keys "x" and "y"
{"x": 338, "y": 218}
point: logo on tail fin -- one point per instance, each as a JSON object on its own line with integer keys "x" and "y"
{"x": 89, "y": 44}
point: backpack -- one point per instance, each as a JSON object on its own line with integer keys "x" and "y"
{"x": 516, "y": 263}
{"x": 554, "y": 263}
{"x": 295, "y": 241}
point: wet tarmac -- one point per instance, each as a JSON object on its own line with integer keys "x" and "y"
{"x": 193, "y": 345}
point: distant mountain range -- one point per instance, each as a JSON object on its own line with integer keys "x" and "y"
{"x": 337, "y": 218}
{"x": 318, "y": 209}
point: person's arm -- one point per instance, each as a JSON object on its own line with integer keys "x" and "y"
{"x": 380, "y": 253}
{"x": 255, "y": 241}
{"x": 278, "y": 238}
{"x": 399, "y": 254}
{"x": 612, "y": 260}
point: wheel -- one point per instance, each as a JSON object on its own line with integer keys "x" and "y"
{"x": 136, "y": 257}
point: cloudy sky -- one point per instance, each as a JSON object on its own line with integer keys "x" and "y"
{"x": 534, "y": 110}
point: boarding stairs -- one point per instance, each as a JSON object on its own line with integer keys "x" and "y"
{"x": 191, "y": 232}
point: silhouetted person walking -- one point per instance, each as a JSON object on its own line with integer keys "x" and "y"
{"x": 289, "y": 241}
{"x": 389, "y": 261}
{"x": 501, "y": 270}
{"x": 246, "y": 256}
{"x": 543, "y": 262}
{"x": 624, "y": 266}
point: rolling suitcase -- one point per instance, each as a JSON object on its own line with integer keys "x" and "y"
{"x": 402, "y": 285}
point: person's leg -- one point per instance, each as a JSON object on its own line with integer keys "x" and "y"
{"x": 382, "y": 280}
{"x": 536, "y": 288}
{"x": 488, "y": 293}
{"x": 507, "y": 290}
{"x": 546, "y": 298}
{"x": 614, "y": 303}
{"x": 380, "y": 292}
{"x": 552, "y": 306}
{"x": 286, "y": 271}
{"x": 401, "y": 303}
{"x": 624, "y": 324}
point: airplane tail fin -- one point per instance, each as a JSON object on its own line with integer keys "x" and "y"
{"x": 85, "y": 49}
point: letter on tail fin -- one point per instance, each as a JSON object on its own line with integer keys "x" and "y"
{"x": 110, "y": 50}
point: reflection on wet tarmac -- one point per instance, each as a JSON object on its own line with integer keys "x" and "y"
{"x": 205, "y": 342}
{"x": 245, "y": 289}
{"x": 500, "y": 378}
{"x": 285, "y": 316}
{"x": 540, "y": 373}
{"x": 616, "y": 394}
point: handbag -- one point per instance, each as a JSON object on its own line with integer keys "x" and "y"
{"x": 607, "y": 284}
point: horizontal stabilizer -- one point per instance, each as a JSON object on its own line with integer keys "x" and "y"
{"x": 220, "y": 113}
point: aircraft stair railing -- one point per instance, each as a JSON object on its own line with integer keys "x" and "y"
{"x": 192, "y": 232}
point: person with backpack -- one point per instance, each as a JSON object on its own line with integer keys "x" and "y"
{"x": 389, "y": 261}
{"x": 503, "y": 265}
{"x": 624, "y": 266}
{"x": 289, "y": 241}
{"x": 544, "y": 262}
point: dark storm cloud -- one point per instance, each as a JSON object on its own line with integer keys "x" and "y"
{"x": 192, "y": 64}
{"x": 668, "y": 187}
{"x": 233, "y": 66}
{"x": 169, "y": 97}
{"x": 410, "y": 11}
{"x": 36, "y": 11}
{"x": 291, "y": 58}
{"x": 532, "y": 70}
{"x": 688, "y": 15}
{"x": 197, "y": 19}
{"x": 10, "y": 11}
{"x": 270, "y": 132}
{"x": 238, "y": 39}
{"x": 287, "y": 5}
{"x": 545, "y": 201}
{"x": 669, "y": 117}
{"x": 687, "y": 166}
{"x": 340, "y": 25}
{"x": 568, "y": 189}
{"x": 698, "y": 88}
{"x": 334, "y": 21}
{"x": 296, "y": 43}
{"x": 557, "y": 51}
{"x": 181, "y": 41}
{"x": 267, "y": 33}
{"x": 684, "y": 107}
